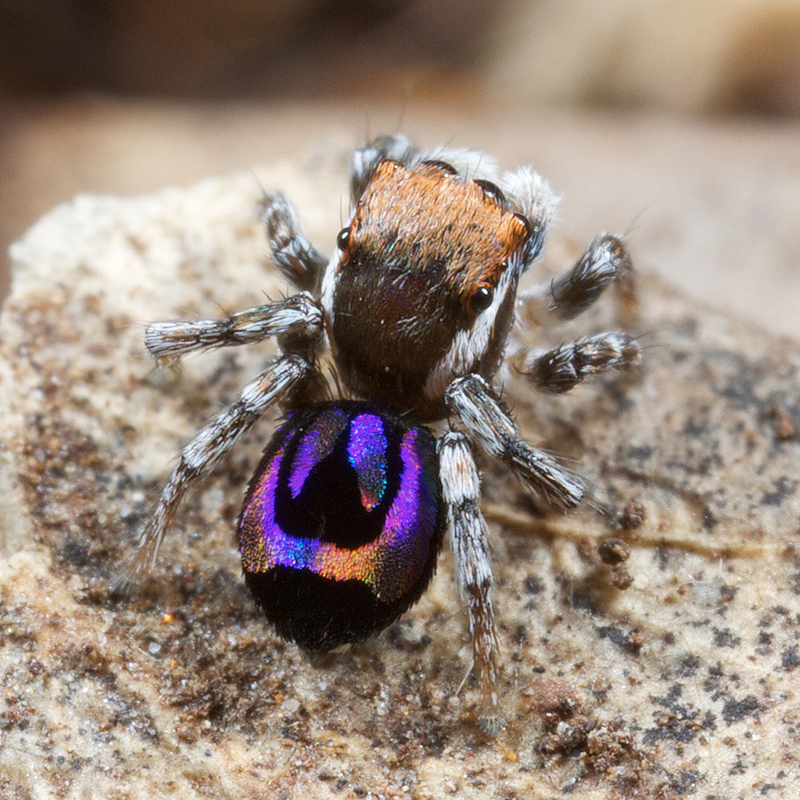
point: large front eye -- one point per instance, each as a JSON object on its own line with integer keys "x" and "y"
{"x": 343, "y": 238}
{"x": 482, "y": 299}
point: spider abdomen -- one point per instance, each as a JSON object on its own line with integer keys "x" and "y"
{"x": 342, "y": 523}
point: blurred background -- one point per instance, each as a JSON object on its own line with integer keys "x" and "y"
{"x": 674, "y": 120}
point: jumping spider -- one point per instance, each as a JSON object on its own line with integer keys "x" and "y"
{"x": 345, "y": 515}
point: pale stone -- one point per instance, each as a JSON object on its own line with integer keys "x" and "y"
{"x": 688, "y": 680}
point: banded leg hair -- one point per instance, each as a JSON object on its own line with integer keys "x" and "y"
{"x": 198, "y": 457}
{"x": 490, "y": 425}
{"x": 294, "y": 320}
{"x": 564, "y": 367}
{"x": 297, "y": 323}
{"x": 605, "y": 263}
{"x": 461, "y": 493}
{"x": 299, "y": 261}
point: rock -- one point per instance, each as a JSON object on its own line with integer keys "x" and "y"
{"x": 683, "y": 678}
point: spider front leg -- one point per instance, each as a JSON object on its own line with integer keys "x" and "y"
{"x": 605, "y": 262}
{"x": 488, "y": 423}
{"x": 461, "y": 492}
{"x": 364, "y": 160}
{"x": 296, "y": 321}
{"x": 298, "y": 260}
{"x": 198, "y": 457}
{"x": 563, "y": 368}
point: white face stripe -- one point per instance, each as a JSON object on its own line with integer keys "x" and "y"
{"x": 329, "y": 284}
{"x": 470, "y": 344}
{"x": 329, "y": 281}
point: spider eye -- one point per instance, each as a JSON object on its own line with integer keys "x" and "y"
{"x": 527, "y": 223}
{"x": 493, "y": 190}
{"x": 343, "y": 238}
{"x": 482, "y": 299}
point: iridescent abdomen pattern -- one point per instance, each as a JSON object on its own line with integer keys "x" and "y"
{"x": 342, "y": 523}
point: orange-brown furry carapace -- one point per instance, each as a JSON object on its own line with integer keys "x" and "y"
{"x": 435, "y": 258}
{"x": 346, "y": 513}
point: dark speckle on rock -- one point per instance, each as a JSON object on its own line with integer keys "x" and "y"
{"x": 790, "y": 659}
{"x": 737, "y": 710}
{"x": 784, "y": 487}
{"x": 725, "y": 638}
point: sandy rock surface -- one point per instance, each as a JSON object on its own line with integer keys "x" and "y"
{"x": 673, "y": 674}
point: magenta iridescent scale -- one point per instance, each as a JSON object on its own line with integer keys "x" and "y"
{"x": 346, "y": 513}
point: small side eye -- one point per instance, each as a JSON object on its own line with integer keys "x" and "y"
{"x": 343, "y": 238}
{"x": 442, "y": 165}
{"x": 527, "y": 223}
{"x": 482, "y": 299}
{"x": 493, "y": 190}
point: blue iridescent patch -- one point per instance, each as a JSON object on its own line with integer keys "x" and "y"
{"x": 366, "y": 450}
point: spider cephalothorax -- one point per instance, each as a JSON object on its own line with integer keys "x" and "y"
{"x": 345, "y": 515}
{"x": 439, "y": 287}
